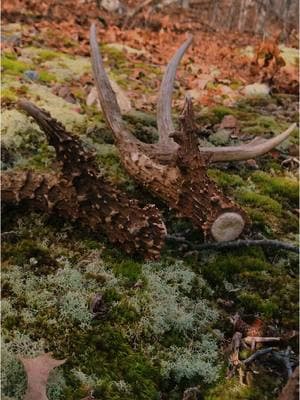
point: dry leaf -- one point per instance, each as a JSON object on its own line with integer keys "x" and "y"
{"x": 122, "y": 98}
{"x": 38, "y": 370}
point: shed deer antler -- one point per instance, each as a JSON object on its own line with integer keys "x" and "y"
{"x": 175, "y": 168}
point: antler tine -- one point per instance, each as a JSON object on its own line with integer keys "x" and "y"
{"x": 164, "y": 104}
{"x": 253, "y": 149}
{"x": 106, "y": 94}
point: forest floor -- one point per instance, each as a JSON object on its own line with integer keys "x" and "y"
{"x": 164, "y": 329}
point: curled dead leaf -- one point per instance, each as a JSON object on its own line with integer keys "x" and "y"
{"x": 38, "y": 370}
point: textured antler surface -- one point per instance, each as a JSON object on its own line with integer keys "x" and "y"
{"x": 81, "y": 193}
{"x": 176, "y": 172}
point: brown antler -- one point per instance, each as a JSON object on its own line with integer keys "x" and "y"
{"x": 175, "y": 168}
{"x": 81, "y": 193}
{"x": 255, "y": 148}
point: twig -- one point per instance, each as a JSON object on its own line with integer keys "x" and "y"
{"x": 234, "y": 360}
{"x": 276, "y": 244}
{"x": 258, "y": 354}
{"x": 252, "y": 340}
{"x": 235, "y": 346}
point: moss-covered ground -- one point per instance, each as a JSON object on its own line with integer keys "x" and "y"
{"x": 163, "y": 327}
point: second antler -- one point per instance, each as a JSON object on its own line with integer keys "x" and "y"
{"x": 175, "y": 168}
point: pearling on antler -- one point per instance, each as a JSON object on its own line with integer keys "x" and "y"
{"x": 175, "y": 168}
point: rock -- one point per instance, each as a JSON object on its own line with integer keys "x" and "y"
{"x": 65, "y": 93}
{"x": 256, "y": 89}
{"x": 122, "y": 98}
{"x": 252, "y": 164}
{"x": 192, "y": 393}
{"x": 220, "y": 137}
{"x": 31, "y": 75}
{"x": 111, "y": 5}
{"x": 229, "y": 122}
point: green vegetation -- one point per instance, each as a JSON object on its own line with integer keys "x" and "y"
{"x": 162, "y": 328}
{"x": 260, "y": 201}
{"x": 14, "y": 67}
{"x": 48, "y": 281}
{"x": 281, "y": 188}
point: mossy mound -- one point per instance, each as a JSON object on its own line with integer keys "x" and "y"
{"x": 139, "y": 346}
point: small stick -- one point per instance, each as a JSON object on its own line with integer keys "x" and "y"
{"x": 258, "y": 354}
{"x": 276, "y": 244}
{"x": 252, "y": 340}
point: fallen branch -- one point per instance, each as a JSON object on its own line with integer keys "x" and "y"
{"x": 235, "y": 346}
{"x": 257, "y": 354}
{"x": 253, "y": 340}
{"x": 233, "y": 244}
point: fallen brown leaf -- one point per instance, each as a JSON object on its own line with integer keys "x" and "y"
{"x": 38, "y": 370}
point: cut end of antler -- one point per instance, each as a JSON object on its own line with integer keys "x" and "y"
{"x": 227, "y": 226}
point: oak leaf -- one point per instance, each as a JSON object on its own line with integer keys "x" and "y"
{"x": 38, "y": 370}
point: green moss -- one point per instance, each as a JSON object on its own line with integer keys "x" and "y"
{"x": 108, "y": 158}
{"x": 45, "y": 76}
{"x": 225, "y": 267}
{"x": 14, "y": 67}
{"x": 8, "y": 95}
{"x": 254, "y": 102}
{"x": 115, "y": 56}
{"x": 225, "y": 179}
{"x": 261, "y": 387}
{"x": 129, "y": 269}
{"x": 29, "y": 251}
{"x": 261, "y": 124}
{"x": 279, "y": 187}
{"x": 47, "y": 54}
{"x": 259, "y": 201}
{"x": 235, "y": 85}
{"x": 220, "y": 111}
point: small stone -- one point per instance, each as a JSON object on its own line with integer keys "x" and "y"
{"x": 252, "y": 164}
{"x": 191, "y": 393}
{"x": 256, "y": 89}
{"x": 229, "y": 122}
{"x": 111, "y": 5}
{"x": 98, "y": 307}
{"x": 31, "y": 75}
